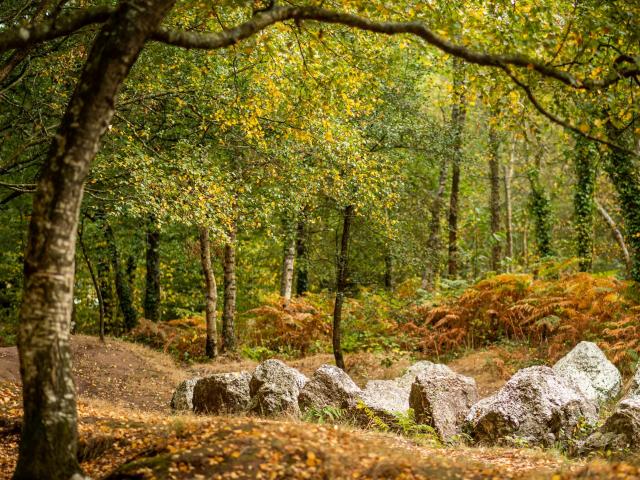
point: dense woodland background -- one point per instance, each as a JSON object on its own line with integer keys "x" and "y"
{"x": 445, "y": 176}
{"x": 447, "y": 172}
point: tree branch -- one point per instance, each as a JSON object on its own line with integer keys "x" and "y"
{"x": 559, "y": 121}
{"x": 262, "y": 20}
{"x": 32, "y": 34}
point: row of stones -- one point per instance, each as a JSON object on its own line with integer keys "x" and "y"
{"x": 537, "y": 406}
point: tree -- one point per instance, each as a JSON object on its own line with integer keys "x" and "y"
{"x": 342, "y": 272}
{"x": 211, "y": 293}
{"x": 152, "y": 287}
{"x": 458, "y": 114}
{"x": 583, "y": 201}
{"x": 49, "y": 440}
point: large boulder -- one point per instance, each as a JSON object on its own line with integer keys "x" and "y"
{"x": 329, "y": 386}
{"x": 535, "y": 407}
{"x": 587, "y": 369}
{"x": 620, "y": 432}
{"x": 442, "y": 400}
{"x": 274, "y": 389}
{"x": 222, "y": 393}
{"x": 182, "y": 398}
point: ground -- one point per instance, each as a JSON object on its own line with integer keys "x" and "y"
{"x": 128, "y": 431}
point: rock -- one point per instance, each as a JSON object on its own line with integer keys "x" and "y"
{"x": 182, "y": 398}
{"x": 329, "y": 386}
{"x": 587, "y": 369}
{"x": 536, "y": 407}
{"x": 620, "y": 432}
{"x": 422, "y": 367}
{"x": 274, "y": 389}
{"x": 442, "y": 400}
{"x": 389, "y": 397}
{"x": 386, "y": 397}
{"x": 222, "y": 393}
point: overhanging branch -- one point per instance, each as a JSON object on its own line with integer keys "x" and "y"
{"x": 262, "y": 20}
{"x": 559, "y": 121}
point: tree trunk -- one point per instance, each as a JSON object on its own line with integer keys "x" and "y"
{"x": 286, "y": 277}
{"x": 229, "y": 308}
{"x": 302, "y": 259}
{"x": 125, "y": 297}
{"x": 494, "y": 198}
{"x": 584, "y": 166}
{"x": 103, "y": 272}
{"x": 625, "y": 177}
{"x": 432, "y": 269}
{"x": 96, "y": 286}
{"x": 617, "y": 234}
{"x": 152, "y": 288}
{"x": 388, "y": 271}
{"x": 508, "y": 173}
{"x": 49, "y": 439}
{"x": 211, "y": 293}
{"x": 458, "y": 115}
{"x": 540, "y": 208}
{"x": 341, "y": 284}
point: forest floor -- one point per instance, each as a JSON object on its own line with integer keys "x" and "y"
{"x": 128, "y": 431}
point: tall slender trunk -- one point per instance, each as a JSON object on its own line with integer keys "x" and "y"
{"x": 105, "y": 285}
{"x": 229, "y": 307}
{"x": 96, "y": 286}
{"x": 508, "y": 173}
{"x": 432, "y": 267}
{"x": 583, "y": 205}
{"x": 458, "y": 115}
{"x": 125, "y": 297}
{"x": 540, "y": 208}
{"x": 342, "y": 273}
{"x": 211, "y": 293}
{"x": 617, "y": 234}
{"x": 388, "y": 271}
{"x": 152, "y": 288}
{"x": 49, "y": 439}
{"x": 494, "y": 198}
{"x": 302, "y": 257}
{"x": 286, "y": 276}
{"x": 625, "y": 177}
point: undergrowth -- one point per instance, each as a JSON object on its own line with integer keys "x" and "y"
{"x": 551, "y": 314}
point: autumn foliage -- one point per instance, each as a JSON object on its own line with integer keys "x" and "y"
{"x": 553, "y": 314}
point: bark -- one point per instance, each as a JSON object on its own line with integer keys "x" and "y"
{"x": 152, "y": 289}
{"x": 96, "y": 286}
{"x": 341, "y": 284}
{"x": 458, "y": 115}
{"x": 123, "y": 290}
{"x": 49, "y": 439}
{"x": 508, "y": 173}
{"x": 388, "y": 271}
{"x": 583, "y": 205}
{"x": 286, "y": 277}
{"x": 432, "y": 269}
{"x": 302, "y": 258}
{"x": 103, "y": 271}
{"x": 494, "y": 199}
{"x": 211, "y": 293}
{"x": 617, "y": 234}
{"x": 229, "y": 308}
{"x": 625, "y": 177}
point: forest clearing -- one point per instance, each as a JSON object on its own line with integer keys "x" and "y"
{"x": 319, "y": 239}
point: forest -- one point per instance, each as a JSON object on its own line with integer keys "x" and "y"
{"x": 319, "y": 239}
